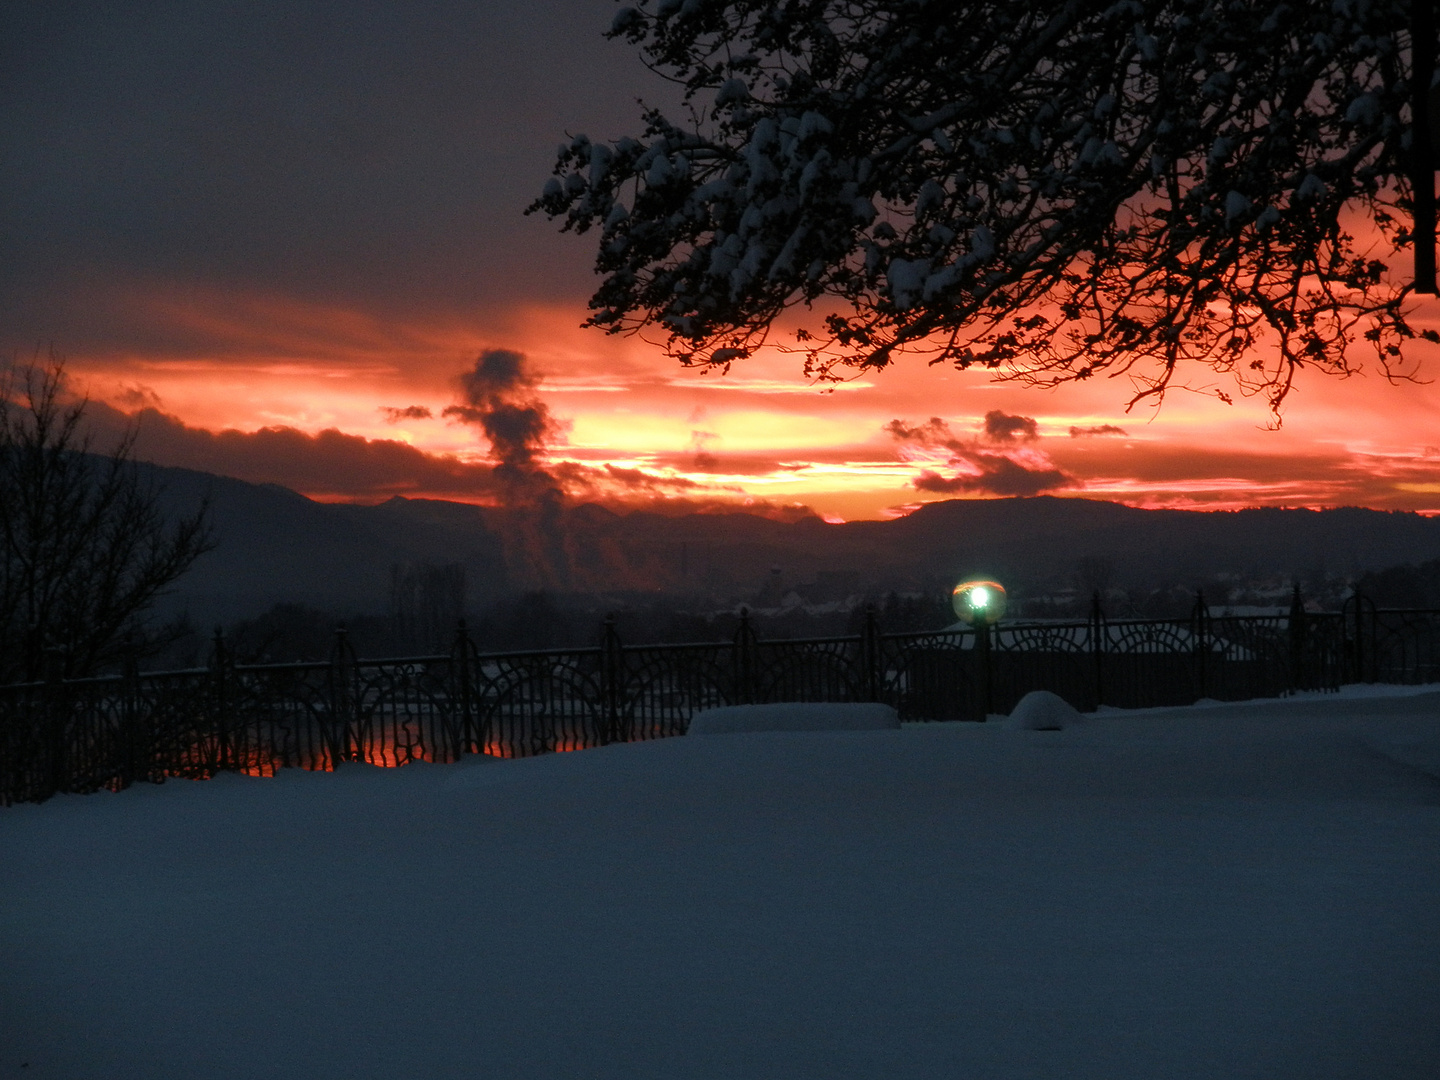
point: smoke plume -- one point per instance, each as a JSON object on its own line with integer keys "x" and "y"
{"x": 500, "y": 397}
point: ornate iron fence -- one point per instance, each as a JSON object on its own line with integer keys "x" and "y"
{"x": 106, "y": 733}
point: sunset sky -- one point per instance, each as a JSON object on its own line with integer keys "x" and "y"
{"x": 282, "y": 234}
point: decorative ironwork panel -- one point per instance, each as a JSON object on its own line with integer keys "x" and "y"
{"x": 662, "y": 686}
{"x": 279, "y": 716}
{"x": 536, "y": 703}
{"x": 1405, "y": 647}
{"x": 405, "y": 712}
{"x": 181, "y": 717}
{"x": 814, "y": 670}
{"x": 1150, "y": 663}
{"x": 106, "y": 733}
{"x": 1247, "y": 658}
{"x": 932, "y": 676}
{"x": 1057, "y": 657}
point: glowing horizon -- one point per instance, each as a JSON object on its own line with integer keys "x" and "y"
{"x": 639, "y": 427}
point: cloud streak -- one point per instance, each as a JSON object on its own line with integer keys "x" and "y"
{"x": 410, "y": 412}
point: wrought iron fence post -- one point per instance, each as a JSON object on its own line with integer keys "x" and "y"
{"x": 744, "y": 660}
{"x": 131, "y": 735}
{"x": 1360, "y": 640}
{"x": 1299, "y": 636}
{"x": 870, "y": 655}
{"x": 983, "y": 664}
{"x": 344, "y": 739}
{"x": 1373, "y": 652}
{"x": 1097, "y": 646}
{"x": 1367, "y": 667}
{"x": 56, "y": 716}
{"x": 612, "y": 680}
{"x": 221, "y": 677}
{"x": 1201, "y": 631}
{"x": 1353, "y": 639}
{"x": 461, "y": 657}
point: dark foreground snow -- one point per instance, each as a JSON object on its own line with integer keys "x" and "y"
{"x": 1231, "y": 892}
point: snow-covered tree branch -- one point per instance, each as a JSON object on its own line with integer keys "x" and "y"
{"x": 1057, "y": 190}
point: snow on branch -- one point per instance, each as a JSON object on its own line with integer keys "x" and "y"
{"x": 1054, "y": 191}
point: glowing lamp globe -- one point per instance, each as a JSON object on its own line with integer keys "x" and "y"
{"x": 979, "y": 602}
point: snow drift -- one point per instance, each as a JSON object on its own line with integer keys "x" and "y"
{"x": 1240, "y": 891}
{"x": 1040, "y": 710}
{"x": 794, "y": 716}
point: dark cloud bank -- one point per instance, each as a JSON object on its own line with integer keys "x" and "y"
{"x": 994, "y": 463}
{"x": 378, "y": 156}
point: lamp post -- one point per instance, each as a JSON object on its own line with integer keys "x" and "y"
{"x": 981, "y": 604}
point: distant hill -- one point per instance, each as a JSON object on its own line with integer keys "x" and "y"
{"x": 277, "y": 546}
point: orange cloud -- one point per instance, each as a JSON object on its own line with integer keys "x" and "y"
{"x": 347, "y": 404}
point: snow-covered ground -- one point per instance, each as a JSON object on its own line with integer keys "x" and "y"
{"x": 1227, "y": 892}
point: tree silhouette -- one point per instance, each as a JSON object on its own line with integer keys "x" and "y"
{"x": 84, "y": 547}
{"x": 1163, "y": 190}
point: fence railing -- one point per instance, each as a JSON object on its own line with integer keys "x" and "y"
{"x": 106, "y": 733}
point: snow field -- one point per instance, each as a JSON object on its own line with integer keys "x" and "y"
{"x": 793, "y": 716}
{"x": 1235, "y": 891}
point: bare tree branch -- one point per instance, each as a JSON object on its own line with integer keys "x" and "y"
{"x": 84, "y": 548}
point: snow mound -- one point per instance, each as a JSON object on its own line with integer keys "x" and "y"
{"x": 1040, "y": 710}
{"x": 794, "y": 716}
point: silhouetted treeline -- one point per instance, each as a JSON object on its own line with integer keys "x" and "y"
{"x": 427, "y": 602}
{"x": 537, "y": 620}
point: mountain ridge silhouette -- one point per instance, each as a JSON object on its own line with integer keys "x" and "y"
{"x": 276, "y": 545}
